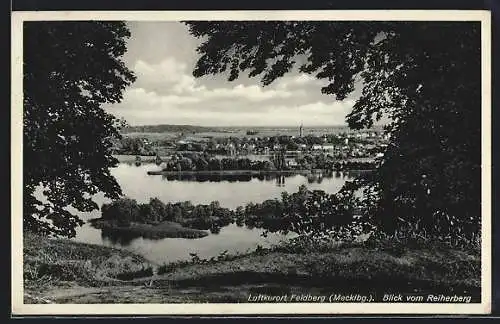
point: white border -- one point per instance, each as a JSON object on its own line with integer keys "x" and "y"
{"x": 19, "y": 308}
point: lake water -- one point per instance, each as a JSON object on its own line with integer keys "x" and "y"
{"x": 231, "y": 193}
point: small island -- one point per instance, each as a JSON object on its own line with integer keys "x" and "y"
{"x": 157, "y": 220}
{"x": 165, "y": 229}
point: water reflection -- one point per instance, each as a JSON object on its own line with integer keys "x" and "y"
{"x": 214, "y": 177}
{"x": 215, "y": 230}
{"x": 280, "y": 179}
{"x": 231, "y": 192}
{"x": 114, "y": 237}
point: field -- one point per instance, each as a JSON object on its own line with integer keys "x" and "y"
{"x": 218, "y": 132}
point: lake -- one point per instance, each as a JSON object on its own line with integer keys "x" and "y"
{"x": 231, "y": 193}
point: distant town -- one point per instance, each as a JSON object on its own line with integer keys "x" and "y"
{"x": 193, "y": 148}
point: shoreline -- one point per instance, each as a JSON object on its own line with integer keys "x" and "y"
{"x": 232, "y": 172}
{"x": 251, "y": 172}
{"x": 152, "y": 158}
{"x": 129, "y": 158}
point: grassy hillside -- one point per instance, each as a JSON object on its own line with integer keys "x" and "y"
{"x": 57, "y": 271}
{"x": 49, "y": 262}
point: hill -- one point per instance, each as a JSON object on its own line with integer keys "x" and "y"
{"x": 63, "y": 271}
{"x": 165, "y": 128}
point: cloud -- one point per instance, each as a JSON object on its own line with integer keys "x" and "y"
{"x": 170, "y": 77}
{"x": 317, "y": 113}
{"x": 252, "y": 93}
{"x": 138, "y": 96}
{"x": 163, "y": 56}
{"x": 297, "y": 81}
{"x": 167, "y": 76}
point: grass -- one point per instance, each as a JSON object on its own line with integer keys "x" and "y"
{"x": 348, "y": 268}
{"x": 315, "y": 268}
{"x": 55, "y": 260}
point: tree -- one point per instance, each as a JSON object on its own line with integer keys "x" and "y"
{"x": 240, "y": 216}
{"x": 158, "y": 209}
{"x": 123, "y": 210}
{"x": 215, "y": 205}
{"x": 177, "y": 214}
{"x": 424, "y": 77}
{"x": 268, "y": 166}
{"x": 244, "y": 164}
{"x": 70, "y": 70}
{"x": 145, "y": 211}
{"x": 292, "y": 146}
{"x": 215, "y": 164}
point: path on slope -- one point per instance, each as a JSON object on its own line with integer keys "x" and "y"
{"x": 352, "y": 270}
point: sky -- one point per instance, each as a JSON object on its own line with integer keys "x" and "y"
{"x": 163, "y": 56}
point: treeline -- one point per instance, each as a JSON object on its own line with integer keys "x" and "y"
{"x": 343, "y": 215}
{"x": 133, "y": 146}
{"x": 302, "y": 212}
{"x": 167, "y": 128}
{"x": 201, "y": 163}
{"x": 218, "y": 177}
{"x": 206, "y": 163}
{"x": 329, "y": 162}
{"x": 354, "y": 165}
{"x": 204, "y": 217}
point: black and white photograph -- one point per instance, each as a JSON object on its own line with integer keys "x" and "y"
{"x": 258, "y": 162}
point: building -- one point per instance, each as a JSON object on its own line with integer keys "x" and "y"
{"x": 317, "y": 147}
{"x": 328, "y": 147}
{"x": 323, "y": 147}
{"x": 231, "y": 149}
{"x": 300, "y": 130}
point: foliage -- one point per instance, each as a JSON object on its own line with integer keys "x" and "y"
{"x": 319, "y": 218}
{"x": 202, "y": 217}
{"x": 310, "y": 213}
{"x": 133, "y": 146}
{"x": 304, "y": 212}
{"x": 123, "y": 210}
{"x": 70, "y": 70}
{"x": 424, "y": 77}
{"x": 198, "y": 162}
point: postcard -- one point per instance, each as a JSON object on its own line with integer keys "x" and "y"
{"x": 251, "y": 162}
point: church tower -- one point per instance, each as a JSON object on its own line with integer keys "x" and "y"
{"x": 300, "y": 130}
